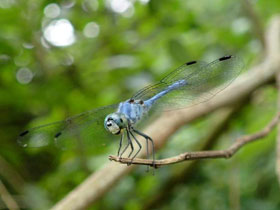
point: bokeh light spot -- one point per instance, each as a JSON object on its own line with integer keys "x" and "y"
{"x": 60, "y": 33}
{"x": 144, "y": 1}
{"x": 91, "y": 30}
{"x": 67, "y": 4}
{"x": 27, "y": 45}
{"x": 120, "y": 6}
{"x": 24, "y": 75}
{"x": 240, "y": 26}
{"x": 52, "y": 10}
{"x": 90, "y": 5}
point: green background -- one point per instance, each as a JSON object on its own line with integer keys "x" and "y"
{"x": 132, "y": 49}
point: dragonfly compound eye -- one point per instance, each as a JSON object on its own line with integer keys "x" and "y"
{"x": 112, "y": 124}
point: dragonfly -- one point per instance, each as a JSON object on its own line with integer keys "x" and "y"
{"x": 192, "y": 83}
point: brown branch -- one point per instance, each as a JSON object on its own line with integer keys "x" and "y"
{"x": 96, "y": 185}
{"x": 227, "y": 153}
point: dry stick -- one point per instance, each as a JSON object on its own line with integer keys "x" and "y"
{"x": 227, "y": 153}
{"x": 96, "y": 185}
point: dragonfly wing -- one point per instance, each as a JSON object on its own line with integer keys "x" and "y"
{"x": 185, "y": 70}
{"x": 202, "y": 82}
{"x": 86, "y": 127}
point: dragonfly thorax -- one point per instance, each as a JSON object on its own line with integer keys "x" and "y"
{"x": 115, "y": 123}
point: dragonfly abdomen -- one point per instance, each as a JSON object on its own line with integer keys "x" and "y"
{"x": 176, "y": 85}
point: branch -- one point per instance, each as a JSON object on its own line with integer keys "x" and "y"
{"x": 240, "y": 142}
{"x": 96, "y": 185}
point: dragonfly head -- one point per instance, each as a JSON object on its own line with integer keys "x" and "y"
{"x": 115, "y": 123}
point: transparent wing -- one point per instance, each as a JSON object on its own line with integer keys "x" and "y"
{"x": 183, "y": 71}
{"x": 86, "y": 127}
{"x": 203, "y": 81}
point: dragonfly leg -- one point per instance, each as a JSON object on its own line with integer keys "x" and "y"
{"x": 151, "y": 140}
{"x": 140, "y": 146}
{"x": 130, "y": 143}
{"x": 126, "y": 146}
{"x": 120, "y": 145}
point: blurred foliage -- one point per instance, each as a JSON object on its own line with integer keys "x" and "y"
{"x": 127, "y": 45}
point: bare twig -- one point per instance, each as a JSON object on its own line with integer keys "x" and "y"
{"x": 240, "y": 142}
{"x": 102, "y": 181}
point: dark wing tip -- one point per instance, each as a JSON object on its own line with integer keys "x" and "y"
{"x": 24, "y": 133}
{"x": 190, "y": 63}
{"x": 225, "y": 57}
{"x": 57, "y": 135}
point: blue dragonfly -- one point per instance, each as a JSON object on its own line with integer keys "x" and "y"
{"x": 192, "y": 83}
